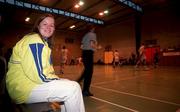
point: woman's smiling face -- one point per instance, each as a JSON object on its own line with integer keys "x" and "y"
{"x": 47, "y": 27}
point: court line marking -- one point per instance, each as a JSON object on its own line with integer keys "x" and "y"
{"x": 119, "y": 79}
{"x": 114, "y": 104}
{"x": 143, "y": 97}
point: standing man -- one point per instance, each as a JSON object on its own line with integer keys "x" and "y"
{"x": 88, "y": 46}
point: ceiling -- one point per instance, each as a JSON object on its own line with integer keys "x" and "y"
{"x": 91, "y": 8}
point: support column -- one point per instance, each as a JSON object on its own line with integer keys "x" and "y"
{"x": 138, "y": 31}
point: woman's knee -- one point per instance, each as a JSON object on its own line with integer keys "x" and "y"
{"x": 72, "y": 85}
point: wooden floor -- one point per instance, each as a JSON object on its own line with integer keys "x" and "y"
{"x": 129, "y": 89}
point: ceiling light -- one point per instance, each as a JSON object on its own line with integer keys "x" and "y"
{"x": 76, "y": 6}
{"x": 73, "y": 26}
{"x": 27, "y": 19}
{"x": 101, "y": 13}
{"x": 106, "y": 12}
{"x": 81, "y": 3}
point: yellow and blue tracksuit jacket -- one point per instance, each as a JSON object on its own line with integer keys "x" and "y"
{"x": 29, "y": 66}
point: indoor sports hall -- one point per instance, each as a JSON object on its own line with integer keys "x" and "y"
{"x": 89, "y": 56}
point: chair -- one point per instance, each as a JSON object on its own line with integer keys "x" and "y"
{"x": 40, "y": 107}
{"x": 5, "y": 100}
{"x": 3, "y": 69}
{"x": 7, "y": 105}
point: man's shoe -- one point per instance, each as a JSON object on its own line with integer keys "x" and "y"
{"x": 87, "y": 93}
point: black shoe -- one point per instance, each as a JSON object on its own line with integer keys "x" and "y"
{"x": 87, "y": 93}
